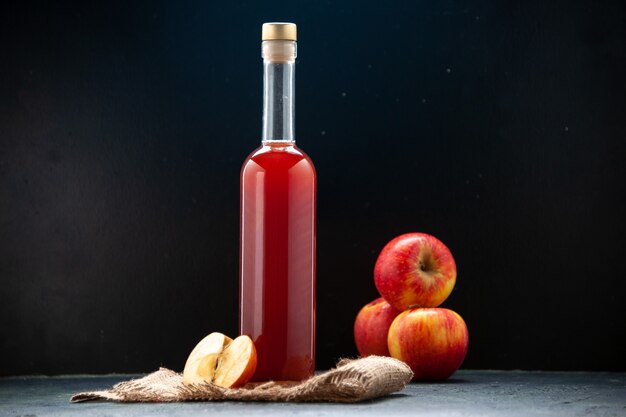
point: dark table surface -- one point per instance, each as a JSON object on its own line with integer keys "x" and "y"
{"x": 469, "y": 393}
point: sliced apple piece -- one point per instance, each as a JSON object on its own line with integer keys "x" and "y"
{"x": 202, "y": 361}
{"x": 222, "y": 361}
{"x": 236, "y": 364}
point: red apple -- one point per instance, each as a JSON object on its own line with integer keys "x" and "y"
{"x": 371, "y": 327}
{"x": 415, "y": 270}
{"x": 432, "y": 341}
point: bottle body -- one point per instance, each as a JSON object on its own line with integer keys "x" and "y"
{"x": 277, "y": 261}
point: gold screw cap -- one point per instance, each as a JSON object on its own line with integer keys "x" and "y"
{"x": 279, "y": 31}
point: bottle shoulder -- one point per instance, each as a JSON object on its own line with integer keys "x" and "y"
{"x": 277, "y": 156}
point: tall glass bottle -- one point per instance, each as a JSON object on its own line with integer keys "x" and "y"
{"x": 277, "y": 258}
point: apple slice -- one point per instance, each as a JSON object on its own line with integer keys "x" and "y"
{"x": 202, "y": 361}
{"x": 222, "y": 361}
{"x": 237, "y": 363}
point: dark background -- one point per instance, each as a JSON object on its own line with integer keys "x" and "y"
{"x": 499, "y": 129}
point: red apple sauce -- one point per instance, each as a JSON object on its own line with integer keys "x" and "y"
{"x": 277, "y": 264}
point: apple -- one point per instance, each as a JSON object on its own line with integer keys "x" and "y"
{"x": 371, "y": 327}
{"x": 222, "y": 361}
{"x": 237, "y": 363}
{"x": 432, "y": 341}
{"x": 202, "y": 361}
{"x": 415, "y": 270}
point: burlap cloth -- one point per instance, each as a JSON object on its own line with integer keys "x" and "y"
{"x": 351, "y": 381}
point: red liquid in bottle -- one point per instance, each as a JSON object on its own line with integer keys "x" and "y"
{"x": 277, "y": 294}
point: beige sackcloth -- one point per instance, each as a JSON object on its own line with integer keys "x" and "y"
{"x": 351, "y": 381}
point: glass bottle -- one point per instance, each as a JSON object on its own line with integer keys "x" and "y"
{"x": 277, "y": 247}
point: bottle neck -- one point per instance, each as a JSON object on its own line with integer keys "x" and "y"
{"x": 279, "y": 91}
